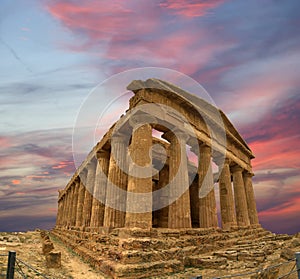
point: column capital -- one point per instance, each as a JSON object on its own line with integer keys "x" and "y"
{"x": 176, "y": 133}
{"x": 205, "y": 148}
{"x": 247, "y": 173}
{"x": 236, "y": 168}
{"x": 102, "y": 153}
{"x": 83, "y": 171}
{"x": 93, "y": 161}
{"x": 141, "y": 118}
{"x": 220, "y": 160}
{"x": 77, "y": 179}
{"x": 119, "y": 137}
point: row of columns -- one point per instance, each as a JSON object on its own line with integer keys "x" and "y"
{"x": 80, "y": 205}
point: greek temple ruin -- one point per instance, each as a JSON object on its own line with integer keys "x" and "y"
{"x": 172, "y": 168}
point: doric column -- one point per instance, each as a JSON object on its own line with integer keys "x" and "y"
{"x": 81, "y": 195}
{"x": 140, "y": 181}
{"x": 98, "y": 206}
{"x": 59, "y": 213}
{"x": 74, "y": 201}
{"x": 66, "y": 208}
{"x": 252, "y": 211}
{"x": 59, "y": 209}
{"x": 162, "y": 182}
{"x": 240, "y": 197}
{"x": 226, "y": 197}
{"x": 69, "y": 206}
{"x": 114, "y": 216}
{"x": 207, "y": 204}
{"x": 179, "y": 210}
{"x": 63, "y": 214}
{"x": 194, "y": 198}
{"x": 88, "y": 198}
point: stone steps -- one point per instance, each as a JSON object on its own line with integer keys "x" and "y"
{"x": 129, "y": 253}
{"x": 145, "y": 270}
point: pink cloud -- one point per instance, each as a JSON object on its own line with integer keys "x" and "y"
{"x": 37, "y": 176}
{"x": 276, "y": 153}
{"x": 100, "y": 20}
{"x": 15, "y": 182}
{"x": 191, "y": 8}
{"x": 5, "y": 142}
{"x": 258, "y": 86}
{"x": 136, "y": 32}
{"x": 291, "y": 207}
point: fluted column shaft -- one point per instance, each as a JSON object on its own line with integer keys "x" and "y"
{"x": 194, "y": 198}
{"x": 241, "y": 207}
{"x": 114, "y": 216}
{"x": 81, "y": 195}
{"x": 62, "y": 219}
{"x": 69, "y": 210}
{"x": 179, "y": 210}
{"x": 74, "y": 202}
{"x": 88, "y": 198}
{"x": 141, "y": 143}
{"x": 59, "y": 213}
{"x": 226, "y": 197}
{"x": 207, "y": 204}
{"x": 252, "y": 211}
{"x": 98, "y": 206}
{"x": 68, "y": 203}
{"x": 162, "y": 182}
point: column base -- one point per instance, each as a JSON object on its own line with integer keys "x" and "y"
{"x": 229, "y": 226}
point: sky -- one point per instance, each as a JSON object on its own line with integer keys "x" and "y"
{"x": 246, "y": 54}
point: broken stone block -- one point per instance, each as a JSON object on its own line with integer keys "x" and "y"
{"x": 53, "y": 259}
{"x": 287, "y": 254}
{"x": 47, "y": 247}
{"x": 295, "y": 242}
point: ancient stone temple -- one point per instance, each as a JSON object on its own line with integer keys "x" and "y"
{"x": 144, "y": 202}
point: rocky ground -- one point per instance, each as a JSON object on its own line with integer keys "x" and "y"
{"x": 29, "y": 249}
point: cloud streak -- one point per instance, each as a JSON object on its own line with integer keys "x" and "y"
{"x": 191, "y": 8}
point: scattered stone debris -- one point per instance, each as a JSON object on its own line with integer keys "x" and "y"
{"x": 287, "y": 254}
{"x": 47, "y": 247}
{"x": 53, "y": 258}
{"x": 61, "y": 263}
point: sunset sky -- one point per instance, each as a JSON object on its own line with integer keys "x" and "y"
{"x": 246, "y": 54}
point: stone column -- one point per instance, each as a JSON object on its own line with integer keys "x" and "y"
{"x": 75, "y": 201}
{"x": 66, "y": 208}
{"x": 140, "y": 155}
{"x": 114, "y": 216}
{"x": 59, "y": 213}
{"x": 207, "y": 204}
{"x": 81, "y": 195}
{"x": 240, "y": 197}
{"x": 194, "y": 199}
{"x": 226, "y": 197}
{"x": 98, "y": 206}
{"x": 67, "y": 199}
{"x": 252, "y": 211}
{"x": 70, "y": 204}
{"x": 63, "y": 213}
{"x": 162, "y": 182}
{"x": 88, "y": 198}
{"x": 179, "y": 209}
